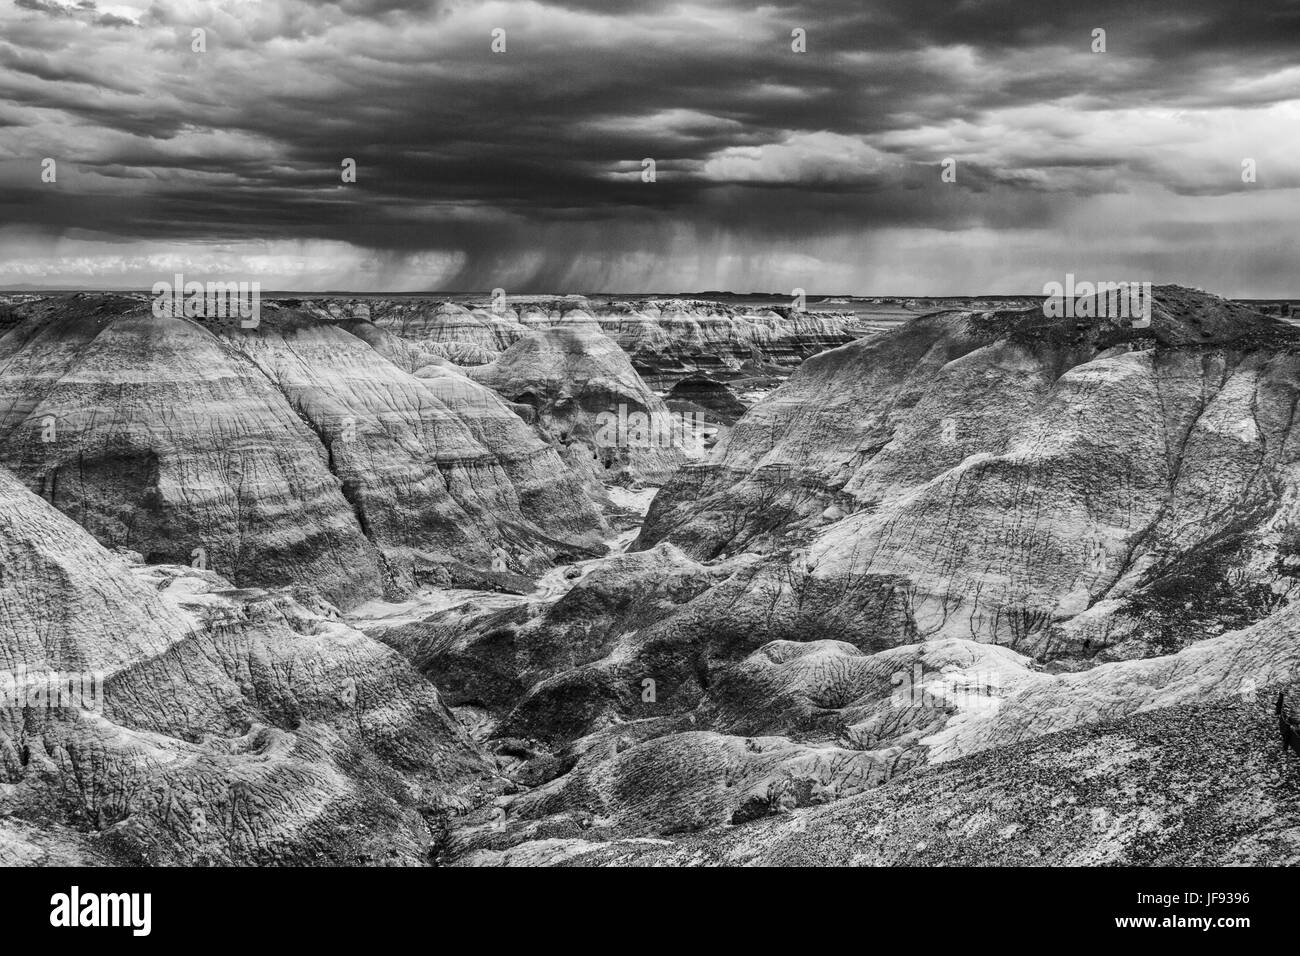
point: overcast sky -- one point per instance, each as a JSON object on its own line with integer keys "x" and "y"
{"x": 774, "y": 169}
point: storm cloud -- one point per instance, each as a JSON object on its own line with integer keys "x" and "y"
{"x": 773, "y": 168}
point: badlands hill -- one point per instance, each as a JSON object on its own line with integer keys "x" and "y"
{"x": 574, "y": 359}
{"x": 293, "y": 453}
{"x": 988, "y": 587}
{"x": 665, "y": 339}
{"x": 224, "y": 726}
{"x": 580, "y": 383}
{"x": 851, "y": 588}
{"x": 1051, "y": 485}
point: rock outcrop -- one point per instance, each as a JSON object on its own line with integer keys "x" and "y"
{"x": 711, "y": 398}
{"x": 590, "y": 402}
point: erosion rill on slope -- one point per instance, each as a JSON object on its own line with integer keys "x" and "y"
{"x": 293, "y": 453}
{"x": 916, "y": 596}
{"x": 217, "y": 725}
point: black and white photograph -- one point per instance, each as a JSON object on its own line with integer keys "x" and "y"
{"x": 666, "y": 435}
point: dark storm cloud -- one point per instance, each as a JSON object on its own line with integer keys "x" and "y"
{"x": 85, "y": 9}
{"x": 53, "y": 9}
{"x": 488, "y": 155}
